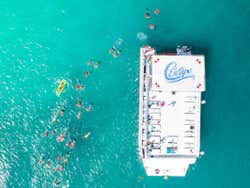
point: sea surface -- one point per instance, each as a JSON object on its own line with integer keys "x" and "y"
{"x": 43, "y": 42}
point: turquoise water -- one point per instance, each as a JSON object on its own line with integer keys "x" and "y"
{"x": 43, "y": 41}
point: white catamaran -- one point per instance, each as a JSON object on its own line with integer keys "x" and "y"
{"x": 169, "y": 110}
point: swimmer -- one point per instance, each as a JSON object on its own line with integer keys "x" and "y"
{"x": 59, "y": 157}
{"x": 151, "y": 26}
{"x": 62, "y": 111}
{"x": 62, "y": 167}
{"x": 157, "y": 11}
{"x": 72, "y": 144}
{"x": 41, "y": 160}
{"x": 96, "y": 65}
{"x": 89, "y": 62}
{"x": 54, "y": 118}
{"x": 68, "y": 154}
{"x": 57, "y": 182}
{"x": 147, "y": 14}
{"x": 112, "y": 50}
{"x": 86, "y": 73}
{"x": 79, "y": 87}
{"x": 54, "y": 132}
{"x": 61, "y": 138}
{"x": 66, "y": 160}
{"x": 89, "y": 108}
{"x": 79, "y": 114}
{"x": 86, "y": 135}
{"x": 48, "y": 163}
{"x": 79, "y": 103}
{"x": 117, "y": 53}
{"x": 59, "y": 168}
{"x": 46, "y": 133}
{"x": 69, "y": 143}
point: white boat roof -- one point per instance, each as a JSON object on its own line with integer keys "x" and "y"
{"x": 178, "y": 73}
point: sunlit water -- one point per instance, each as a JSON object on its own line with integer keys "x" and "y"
{"x": 42, "y": 42}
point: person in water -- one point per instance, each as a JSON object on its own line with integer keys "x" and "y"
{"x": 54, "y": 118}
{"x": 57, "y": 182}
{"x": 112, "y": 50}
{"x": 54, "y": 132}
{"x": 157, "y": 11}
{"x": 86, "y": 73}
{"x": 96, "y": 65}
{"x": 147, "y": 14}
{"x": 151, "y": 26}
{"x": 62, "y": 111}
{"x": 46, "y": 134}
{"x": 89, "y": 108}
{"x": 79, "y": 115}
{"x": 69, "y": 143}
{"x": 90, "y": 62}
{"x": 66, "y": 160}
{"x": 79, "y": 87}
{"x": 117, "y": 53}
{"x": 72, "y": 143}
{"x": 48, "y": 163}
{"x": 59, "y": 157}
{"x": 59, "y": 168}
{"x": 41, "y": 160}
{"x": 61, "y": 138}
{"x": 79, "y": 103}
{"x": 86, "y": 135}
{"x": 68, "y": 154}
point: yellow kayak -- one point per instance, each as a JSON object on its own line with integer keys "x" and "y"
{"x": 61, "y": 87}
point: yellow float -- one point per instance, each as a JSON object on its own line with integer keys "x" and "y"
{"x": 60, "y": 87}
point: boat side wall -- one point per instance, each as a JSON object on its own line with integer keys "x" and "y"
{"x": 140, "y": 104}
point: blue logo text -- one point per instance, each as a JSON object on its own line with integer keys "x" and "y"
{"x": 176, "y": 74}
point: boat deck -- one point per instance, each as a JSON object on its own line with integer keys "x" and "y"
{"x": 173, "y": 123}
{"x": 169, "y": 111}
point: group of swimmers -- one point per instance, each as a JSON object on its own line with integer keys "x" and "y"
{"x": 115, "y": 52}
{"x": 61, "y": 138}
{"x": 93, "y": 63}
{"x": 148, "y": 16}
{"x": 79, "y": 105}
{"x": 71, "y": 143}
{"x": 62, "y": 160}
